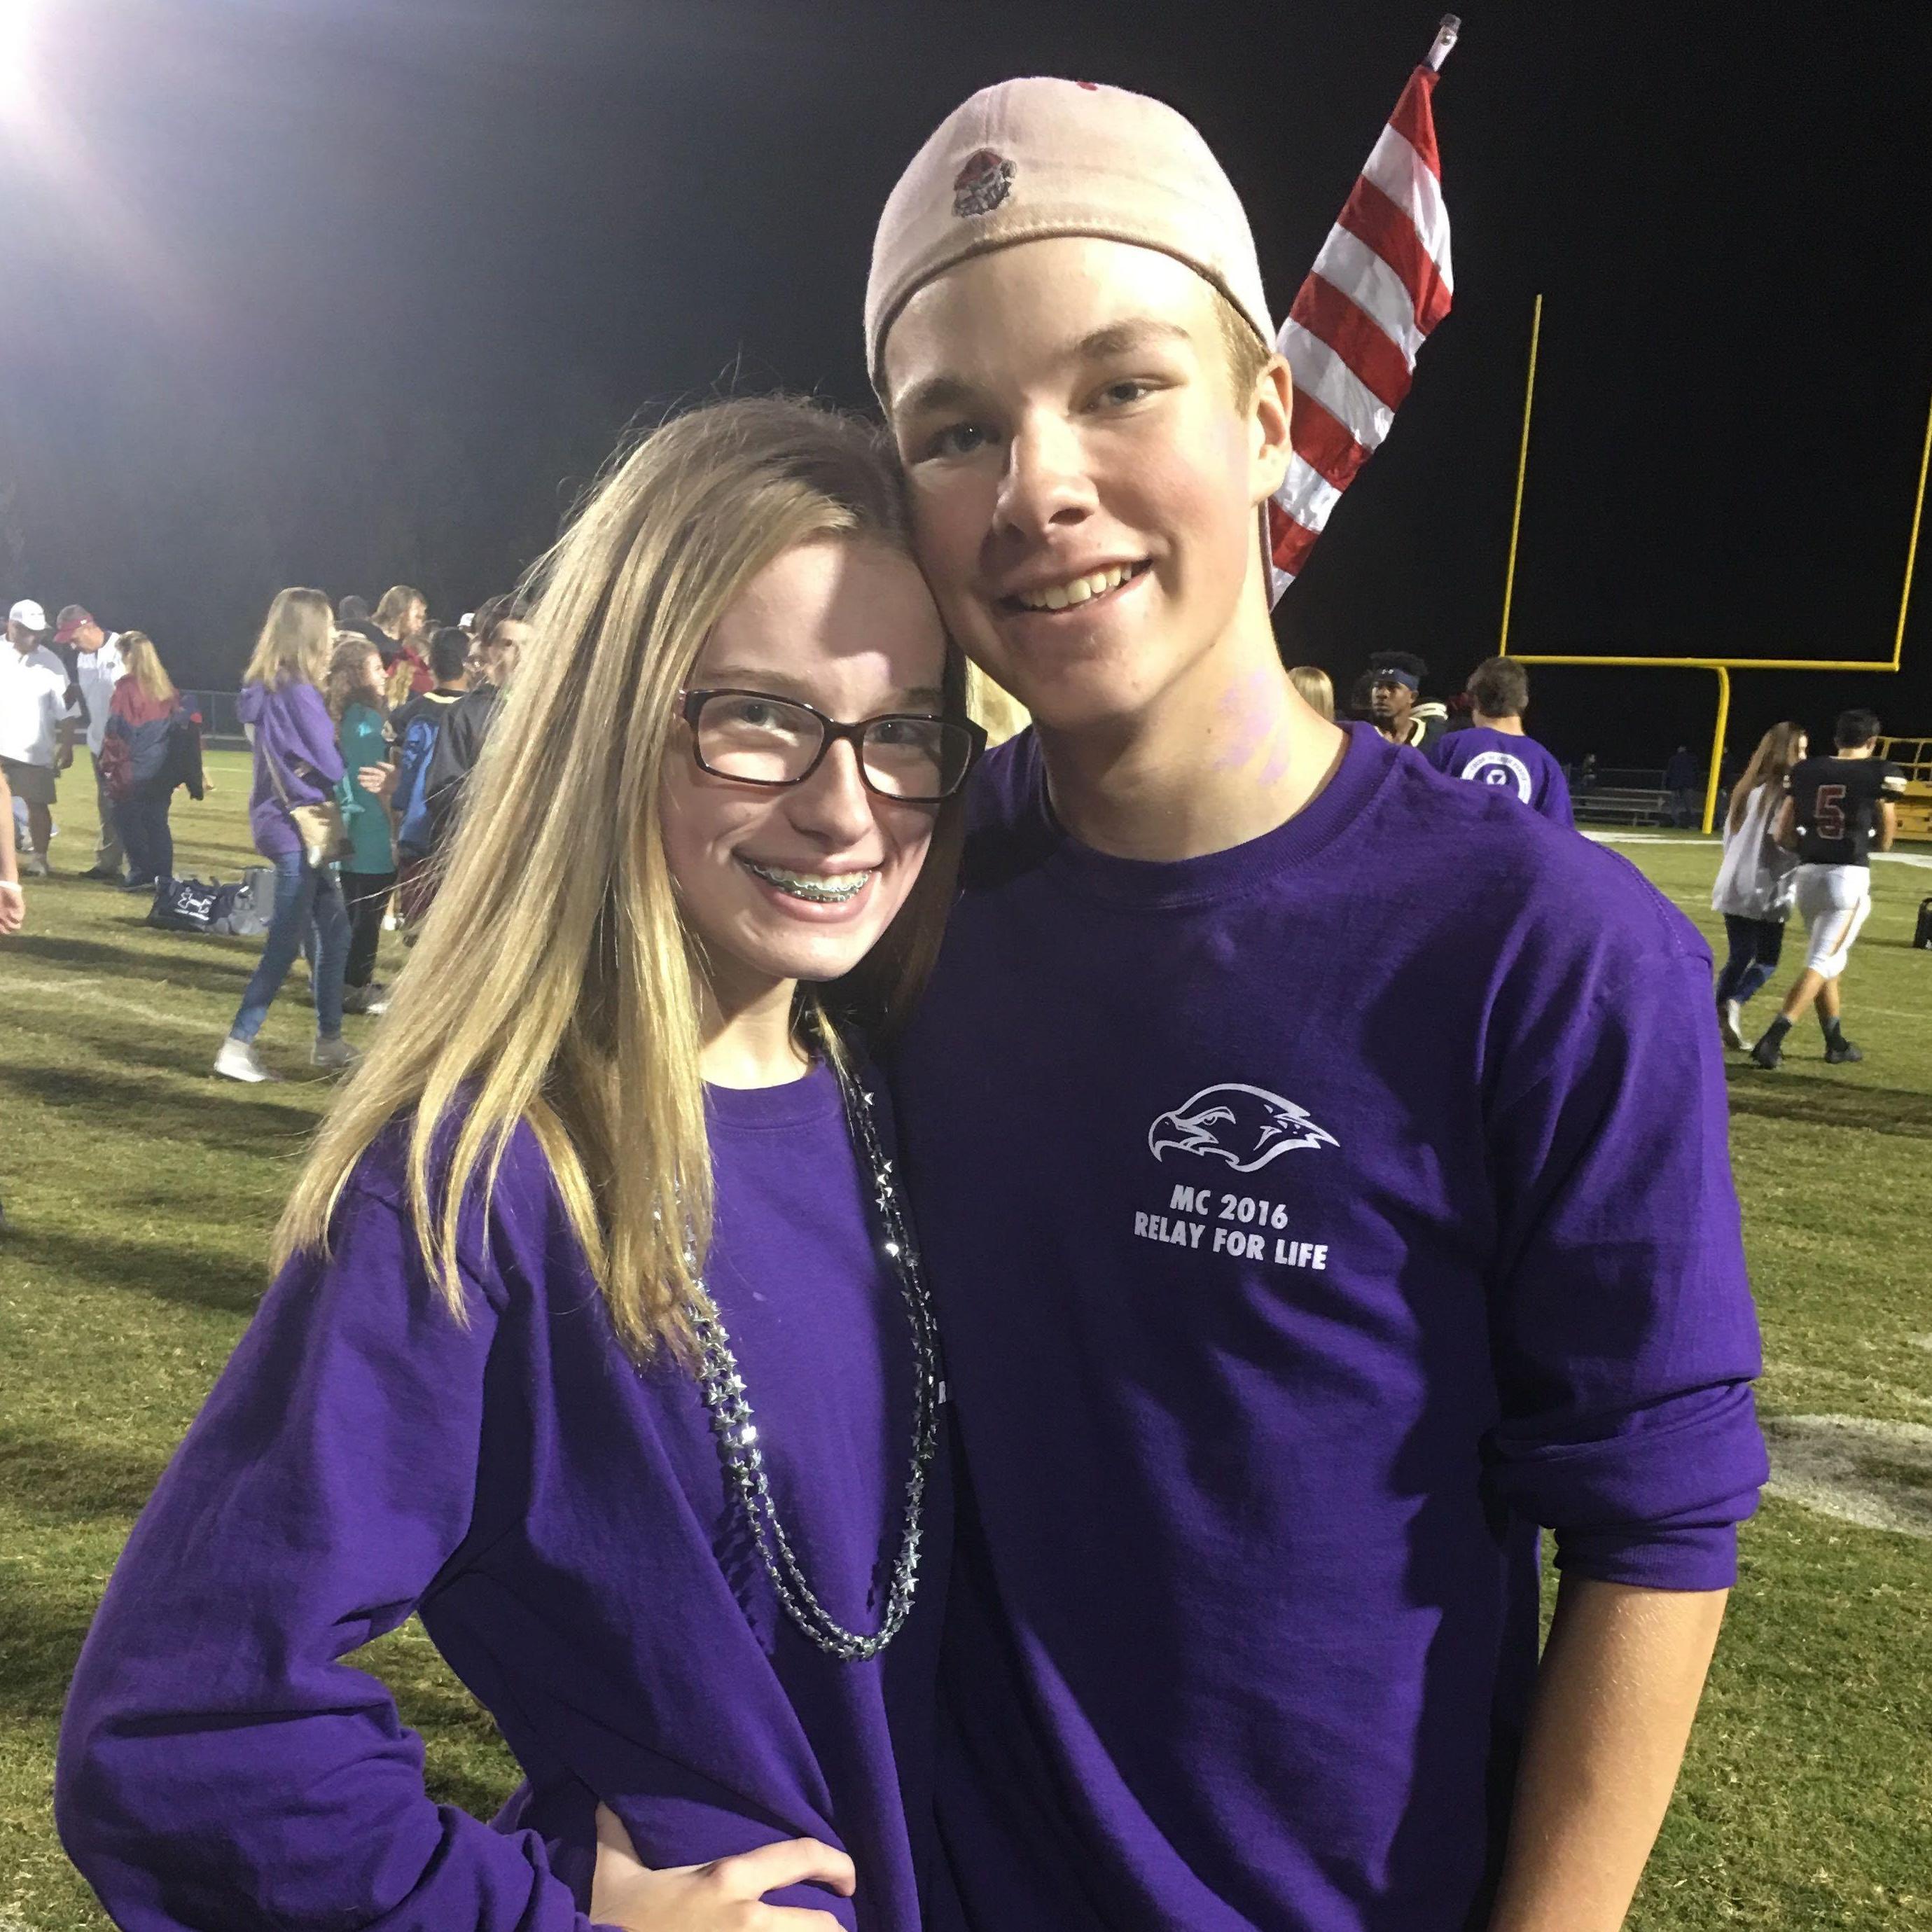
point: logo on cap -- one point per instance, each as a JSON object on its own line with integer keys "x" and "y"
{"x": 982, "y": 184}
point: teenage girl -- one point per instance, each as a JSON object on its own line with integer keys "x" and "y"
{"x": 600, "y": 1339}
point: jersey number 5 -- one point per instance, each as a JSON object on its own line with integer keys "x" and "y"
{"x": 1830, "y": 812}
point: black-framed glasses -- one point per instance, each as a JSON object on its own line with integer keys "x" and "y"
{"x": 755, "y": 738}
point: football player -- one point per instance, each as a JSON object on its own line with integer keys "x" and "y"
{"x": 1838, "y": 809}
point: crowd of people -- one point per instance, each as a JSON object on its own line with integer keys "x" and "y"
{"x": 143, "y": 741}
{"x": 364, "y": 731}
{"x": 345, "y": 711}
{"x": 1305, "y": 1238}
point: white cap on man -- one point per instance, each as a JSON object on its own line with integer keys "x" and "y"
{"x": 27, "y": 613}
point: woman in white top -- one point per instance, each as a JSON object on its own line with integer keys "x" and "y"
{"x": 1754, "y": 886}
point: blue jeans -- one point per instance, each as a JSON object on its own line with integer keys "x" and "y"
{"x": 304, "y": 899}
{"x": 1755, "y": 945}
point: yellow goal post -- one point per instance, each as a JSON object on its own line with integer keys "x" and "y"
{"x": 1722, "y": 666}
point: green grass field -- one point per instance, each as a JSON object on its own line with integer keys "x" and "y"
{"x": 140, "y": 1192}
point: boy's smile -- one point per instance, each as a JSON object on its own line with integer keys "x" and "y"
{"x": 1084, "y": 488}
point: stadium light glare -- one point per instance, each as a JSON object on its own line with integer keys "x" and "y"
{"x": 17, "y": 21}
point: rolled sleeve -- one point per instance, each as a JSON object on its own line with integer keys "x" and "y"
{"x": 1623, "y": 1334}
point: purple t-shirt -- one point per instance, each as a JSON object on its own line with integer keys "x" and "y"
{"x": 562, "y": 1523}
{"x": 1517, "y": 766}
{"x": 1305, "y": 1236}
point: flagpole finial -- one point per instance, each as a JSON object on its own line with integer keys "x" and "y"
{"x": 1445, "y": 39}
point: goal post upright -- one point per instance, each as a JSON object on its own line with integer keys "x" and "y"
{"x": 1722, "y": 666}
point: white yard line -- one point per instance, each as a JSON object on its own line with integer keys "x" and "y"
{"x": 1918, "y": 858}
{"x": 1853, "y": 1468}
{"x": 76, "y": 986}
{"x": 1646, "y": 838}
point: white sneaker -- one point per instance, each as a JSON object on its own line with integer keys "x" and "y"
{"x": 336, "y": 1054}
{"x": 238, "y": 1060}
{"x": 1729, "y": 1013}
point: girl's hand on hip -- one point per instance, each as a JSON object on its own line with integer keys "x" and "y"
{"x": 726, "y": 1895}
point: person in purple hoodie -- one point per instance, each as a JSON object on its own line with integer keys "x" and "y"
{"x": 1495, "y": 751}
{"x": 1307, "y": 1238}
{"x": 600, "y": 1339}
{"x": 297, "y": 763}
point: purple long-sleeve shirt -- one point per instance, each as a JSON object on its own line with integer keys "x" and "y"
{"x": 1310, "y": 1221}
{"x": 561, "y": 1522}
{"x": 297, "y": 761}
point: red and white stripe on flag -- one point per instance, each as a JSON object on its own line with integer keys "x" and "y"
{"x": 1381, "y": 282}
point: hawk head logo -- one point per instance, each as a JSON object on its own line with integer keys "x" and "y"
{"x": 1246, "y": 1127}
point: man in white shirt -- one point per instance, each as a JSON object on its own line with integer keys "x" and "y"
{"x": 99, "y": 667}
{"x": 36, "y": 723}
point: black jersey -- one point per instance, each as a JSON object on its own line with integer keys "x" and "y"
{"x": 1837, "y": 801}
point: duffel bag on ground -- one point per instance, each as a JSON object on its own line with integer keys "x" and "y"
{"x": 193, "y": 905}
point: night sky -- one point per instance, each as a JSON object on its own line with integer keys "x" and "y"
{"x": 344, "y": 291}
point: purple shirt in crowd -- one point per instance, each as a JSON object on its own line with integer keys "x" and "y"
{"x": 1310, "y": 1221}
{"x": 562, "y": 1523}
{"x": 297, "y": 761}
{"x": 1517, "y": 766}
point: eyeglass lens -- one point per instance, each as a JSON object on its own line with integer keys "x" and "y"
{"x": 769, "y": 742}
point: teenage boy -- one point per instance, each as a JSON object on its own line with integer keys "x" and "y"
{"x": 1396, "y": 706}
{"x": 98, "y": 667}
{"x": 1496, "y": 751}
{"x": 1276, "y": 1323}
{"x": 1838, "y": 809}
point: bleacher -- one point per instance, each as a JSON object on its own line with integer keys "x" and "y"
{"x": 1621, "y": 797}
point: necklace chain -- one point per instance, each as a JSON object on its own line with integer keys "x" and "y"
{"x": 722, "y": 1384}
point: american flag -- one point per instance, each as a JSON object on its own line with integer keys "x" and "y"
{"x": 1381, "y": 282}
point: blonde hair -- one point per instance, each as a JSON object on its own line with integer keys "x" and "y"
{"x": 396, "y": 603}
{"x": 1245, "y": 354}
{"x": 580, "y": 1016}
{"x": 1771, "y": 763}
{"x": 1317, "y": 689}
{"x": 347, "y": 681}
{"x": 993, "y": 706}
{"x": 293, "y": 647}
{"x": 145, "y": 667}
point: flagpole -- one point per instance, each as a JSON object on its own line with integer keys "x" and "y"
{"x": 1445, "y": 39}
{"x": 1521, "y": 471}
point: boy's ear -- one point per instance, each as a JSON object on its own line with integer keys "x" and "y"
{"x": 1269, "y": 445}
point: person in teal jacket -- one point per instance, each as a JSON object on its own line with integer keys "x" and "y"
{"x": 369, "y": 872}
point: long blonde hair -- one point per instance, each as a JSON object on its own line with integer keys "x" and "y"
{"x": 1316, "y": 689}
{"x": 579, "y": 1014}
{"x": 1771, "y": 763}
{"x": 347, "y": 681}
{"x": 145, "y": 667}
{"x": 397, "y": 602}
{"x": 294, "y": 643}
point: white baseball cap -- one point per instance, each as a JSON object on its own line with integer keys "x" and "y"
{"x": 29, "y": 613}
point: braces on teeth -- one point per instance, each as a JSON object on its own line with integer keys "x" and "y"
{"x": 826, "y": 891}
